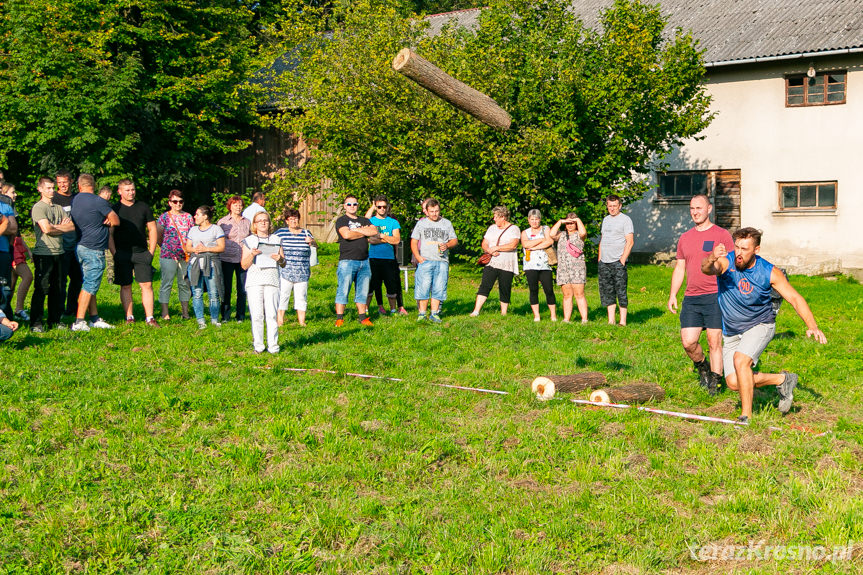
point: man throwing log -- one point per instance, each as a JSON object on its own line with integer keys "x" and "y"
{"x": 745, "y": 281}
{"x": 700, "y": 310}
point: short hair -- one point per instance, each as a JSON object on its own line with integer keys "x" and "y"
{"x": 534, "y": 212}
{"x": 175, "y": 194}
{"x": 613, "y": 198}
{"x": 44, "y": 180}
{"x": 705, "y": 196}
{"x": 349, "y": 196}
{"x": 207, "y": 211}
{"x": 259, "y": 196}
{"x": 381, "y": 198}
{"x": 104, "y": 189}
{"x": 233, "y": 200}
{"x": 125, "y": 182}
{"x": 746, "y": 233}
{"x": 501, "y": 211}
{"x": 86, "y": 181}
{"x": 571, "y": 216}
{"x": 269, "y": 224}
{"x": 63, "y": 174}
{"x": 430, "y": 203}
{"x": 291, "y": 213}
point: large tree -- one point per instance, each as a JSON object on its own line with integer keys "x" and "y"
{"x": 591, "y": 108}
{"x": 150, "y": 89}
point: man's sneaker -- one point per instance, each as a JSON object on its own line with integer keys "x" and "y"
{"x": 714, "y": 383}
{"x": 61, "y": 326}
{"x": 786, "y": 391}
{"x": 421, "y": 317}
{"x": 435, "y": 318}
{"x": 101, "y": 324}
{"x": 367, "y": 322}
{"x": 153, "y": 323}
{"x": 23, "y": 314}
{"x": 704, "y": 374}
{"x": 215, "y": 322}
{"x": 80, "y": 325}
{"x": 340, "y": 322}
{"x": 130, "y": 320}
{"x": 743, "y": 419}
{"x": 202, "y": 324}
{"x": 37, "y": 328}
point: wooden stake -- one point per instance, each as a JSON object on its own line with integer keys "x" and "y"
{"x": 545, "y": 387}
{"x": 480, "y": 106}
{"x": 630, "y": 393}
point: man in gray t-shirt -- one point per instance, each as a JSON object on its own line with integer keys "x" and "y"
{"x": 431, "y": 240}
{"x": 615, "y": 243}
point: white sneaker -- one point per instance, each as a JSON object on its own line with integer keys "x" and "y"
{"x": 202, "y": 324}
{"x": 80, "y": 326}
{"x": 216, "y": 322}
{"x": 101, "y": 324}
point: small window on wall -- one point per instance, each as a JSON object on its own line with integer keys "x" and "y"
{"x": 807, "y": 195}
{"x": 683, "y": 185}
{"x": 823, "y": 89}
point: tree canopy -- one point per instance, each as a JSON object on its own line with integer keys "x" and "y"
{"x": 592, "y": 108}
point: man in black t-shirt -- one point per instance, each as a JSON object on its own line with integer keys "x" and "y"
{"x": 71, "y": 276}
{"x": 354, "y": 233}
{"x": 133, "y": 245}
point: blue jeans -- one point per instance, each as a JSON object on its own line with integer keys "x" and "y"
{"x": 353, "y": 271}
{"x": 431, "y": 276}
{"x": 92, "y": 267}
{"x": 198, "y": 298}
{"x": 5, "y": 333}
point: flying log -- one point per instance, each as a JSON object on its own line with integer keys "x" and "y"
{"x": 483, "y": 108}
{"x": 630, "y": 393}
{"x": 545, "y": 387}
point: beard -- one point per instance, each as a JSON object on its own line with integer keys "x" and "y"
{"x": 742, "y": 264}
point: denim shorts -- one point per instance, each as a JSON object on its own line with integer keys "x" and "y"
{"x": 357, "y": 272}
{"x": 431, "y": 276}
{"x": 92, "y": 267}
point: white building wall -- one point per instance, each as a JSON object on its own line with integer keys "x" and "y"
{"x": 753, "y": 131}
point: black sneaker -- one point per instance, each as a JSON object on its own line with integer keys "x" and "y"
{"x": 786, "y": 391}
{"x": 703, "y": 368}
{"x": 715, "y": 380}
{"x": 37, "y": 328}
{"x": 743, "y": 419}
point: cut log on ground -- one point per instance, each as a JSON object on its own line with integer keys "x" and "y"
{"x": 480, "y": 106}
{"x": 545, "y": 387}
{"x": 630, "y": 393}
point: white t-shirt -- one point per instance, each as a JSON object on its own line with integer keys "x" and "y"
{"x": 257, "y": 275}
{"x": 505, "y": 261}
{"x": 538, "y": 258}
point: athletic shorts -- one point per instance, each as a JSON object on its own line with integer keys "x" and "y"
{"x": 129, "y": 265}
{"x": 751, "y": 342}
{"x": 701, "y": 311}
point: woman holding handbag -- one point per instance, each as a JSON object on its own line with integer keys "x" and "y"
{"x": 535, "y": 239}
{"x": 173, "y": 228}
{"x": 499, "y": 247}
{"x": 571, "y": 269}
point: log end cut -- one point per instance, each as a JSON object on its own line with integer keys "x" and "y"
{"x": 599, "y": 396}
{"x": 543, "y": 388}
{"x": 401, "y": 59}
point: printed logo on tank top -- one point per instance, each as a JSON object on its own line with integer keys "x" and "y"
{"x": 744, "y": 286}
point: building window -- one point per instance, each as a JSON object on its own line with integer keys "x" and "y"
{"x": 684, "y": 184}
{"x": 823, "y": 89}
{"x": 807, "y": 195}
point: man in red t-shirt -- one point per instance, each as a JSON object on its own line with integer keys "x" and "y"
{"x": 700, "y": 309}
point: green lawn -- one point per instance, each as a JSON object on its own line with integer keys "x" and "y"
{"x": 136, "y": 450}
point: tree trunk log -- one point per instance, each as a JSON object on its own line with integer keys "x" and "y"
{"x": 447, "y": 88}
{"x": 546, "y": 387}
{"x": 629, "y": 393}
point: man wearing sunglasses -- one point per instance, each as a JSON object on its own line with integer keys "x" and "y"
{"x": 354, "y": 233}
{"x": 382, "y": 257}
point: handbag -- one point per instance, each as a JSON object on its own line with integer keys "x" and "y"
{"x": 485, "y": 258}
{"x": 552, "y": 255}
{"x": 313, "y": 256}
{"x": 573, "y": 251}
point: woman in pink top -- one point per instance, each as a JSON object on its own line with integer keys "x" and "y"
{"x": 236, "y": 228}
{"x": 173, "y": 227}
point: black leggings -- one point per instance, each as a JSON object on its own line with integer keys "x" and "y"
{"x": 385, "y": 272}
{"x": 534, "y": 278}
{"x": 489, "y": 276}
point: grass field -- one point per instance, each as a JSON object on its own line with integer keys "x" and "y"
{"x": 135, "y": 450}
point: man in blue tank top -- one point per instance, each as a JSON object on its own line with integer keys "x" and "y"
{"x": 745, "y": 281}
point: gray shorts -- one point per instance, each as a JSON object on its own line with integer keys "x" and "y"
{"x": 751, "y": 342}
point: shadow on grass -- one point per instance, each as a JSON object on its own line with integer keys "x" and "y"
{"x": 644, "y": 315}
{"x": 601, "y": 366}
{"x": 20, "y": 343}
{"x": 327, "y": 336}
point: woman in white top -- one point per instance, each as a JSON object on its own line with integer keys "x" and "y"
{"x": 535, "y": 240}
{"x": 500, "y": 242}
{"x": 262, "y": 257}
{"x": 204, "y": 243}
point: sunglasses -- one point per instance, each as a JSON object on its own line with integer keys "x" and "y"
{"x": 175, "y": 201}
{"x": 352, "y": 204}
{"x": 381, "y": 207}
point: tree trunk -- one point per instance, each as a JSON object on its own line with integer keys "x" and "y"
{"x": 447, "y": 88}
{"x": 546, "y": 387}
{"x": 629, "y": 393}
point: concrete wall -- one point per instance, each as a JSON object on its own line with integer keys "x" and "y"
{"x": 753, "y": 131}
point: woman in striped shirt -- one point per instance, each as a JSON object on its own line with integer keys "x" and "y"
{"x": 297, "y": 244}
